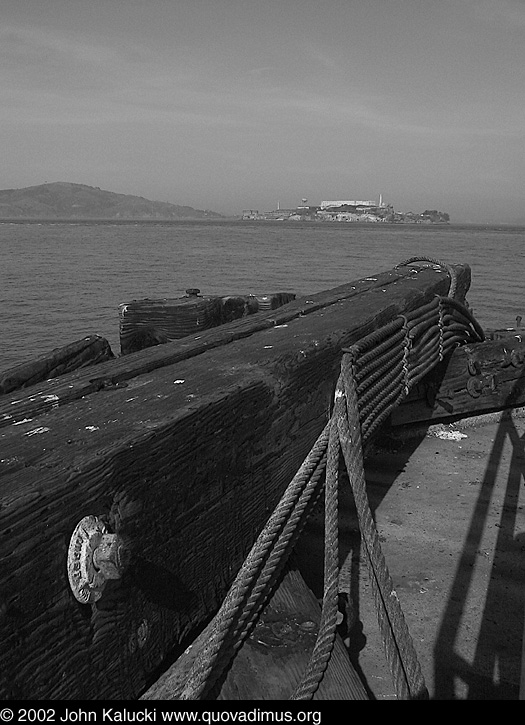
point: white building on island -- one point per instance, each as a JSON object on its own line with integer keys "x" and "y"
{"x": 355, "y": 203}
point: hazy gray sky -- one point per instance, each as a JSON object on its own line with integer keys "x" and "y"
{"x": 234, "y": 104}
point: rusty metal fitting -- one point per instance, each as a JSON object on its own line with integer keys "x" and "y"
{"x": 193, "y": 292}
{"x": 473, "y": 365}
{"x": 94, "y": 557}
{"x": 474, "y": 387}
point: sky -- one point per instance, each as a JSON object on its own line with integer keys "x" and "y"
{"x": 249, "y": 104}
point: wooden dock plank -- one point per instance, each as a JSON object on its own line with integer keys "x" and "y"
{"x": 186, "y": 460}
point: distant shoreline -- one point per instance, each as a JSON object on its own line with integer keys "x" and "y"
{"x": 244, "y": 222}
{"x": 109, "y": 220}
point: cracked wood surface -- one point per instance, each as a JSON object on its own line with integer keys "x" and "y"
{"x": 185, "y": 449}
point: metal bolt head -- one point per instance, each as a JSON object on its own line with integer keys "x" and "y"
{"x": 110, "y": 556}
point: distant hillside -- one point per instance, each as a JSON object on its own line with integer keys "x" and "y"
{"x": 62, "y": 200}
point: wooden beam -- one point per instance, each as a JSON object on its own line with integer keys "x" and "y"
{"x": 116, "y": 373}
{"x": 272, "y": 660}
{"x": 144, "y": 323}
{"x": 83, "y": 353}
{"x": 185, "y": 450}
{"x": 480, "y": 378}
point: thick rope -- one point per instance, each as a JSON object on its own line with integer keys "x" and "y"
{"x": 399, "y": 648}
{"x": 401, "y": 656}
{"x": 327, "y": 629}
{"x": 239, "y": 609}
{"x": 376, "y": 373}
{"x": 427, "y": 325}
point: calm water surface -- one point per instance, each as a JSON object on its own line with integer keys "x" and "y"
{"x": 62, "y": 282}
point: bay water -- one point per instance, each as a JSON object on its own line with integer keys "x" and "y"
{"x": 64, "y": 281}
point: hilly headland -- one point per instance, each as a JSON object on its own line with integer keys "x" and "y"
{"x": 64, "y": 200}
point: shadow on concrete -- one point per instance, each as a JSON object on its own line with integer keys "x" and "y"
{"x": 492, "y": 674}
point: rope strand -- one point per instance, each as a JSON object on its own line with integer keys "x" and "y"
{"x": 376, "y": 373}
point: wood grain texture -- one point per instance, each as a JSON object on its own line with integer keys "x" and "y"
{"x": 91, "y": 350}
{"x": 185, "y": 450}
{"x": 148, "y": 322}
{"x": 273, "y": 659}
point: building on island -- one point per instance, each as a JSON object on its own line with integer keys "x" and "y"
{"x": 335, "y": 204}
{"x": 346, "y": 210}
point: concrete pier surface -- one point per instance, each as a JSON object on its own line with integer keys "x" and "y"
{"x": 449, "y": 506}
{"x": 450, "y": 514}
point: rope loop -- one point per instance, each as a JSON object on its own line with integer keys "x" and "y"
{"x": 376, "y": 374}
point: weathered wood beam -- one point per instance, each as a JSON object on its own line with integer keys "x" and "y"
{"x": 83, "y": 353}
{"x": 185, "y": 449}
{"x": 59, "y": 392}
{"x": 479, "y": 378}
{"x": 273, "y": 659}
{"x": 144, "y": 323}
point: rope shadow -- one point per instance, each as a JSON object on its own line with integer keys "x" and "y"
{"x": 502, "y": 620}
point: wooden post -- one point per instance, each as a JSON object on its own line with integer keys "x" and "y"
{"x": 144, "y": 323}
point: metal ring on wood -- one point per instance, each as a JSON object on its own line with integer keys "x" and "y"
{"x": 94, "y": 557}
{"x": 474, "y": 387}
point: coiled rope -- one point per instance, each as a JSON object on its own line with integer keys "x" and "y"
{"x": 376, "y": 374}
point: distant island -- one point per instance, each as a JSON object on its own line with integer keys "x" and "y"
{"x": 63, "y": 200}
{"x": 350, "y": 211}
